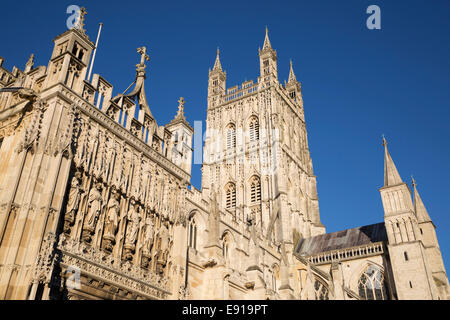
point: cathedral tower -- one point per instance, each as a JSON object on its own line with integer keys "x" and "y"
{"x": 411, "y": 268}
{"x": 256, "y": 158}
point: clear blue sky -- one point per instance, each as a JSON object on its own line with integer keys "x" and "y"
{"x": 357, "y": 83}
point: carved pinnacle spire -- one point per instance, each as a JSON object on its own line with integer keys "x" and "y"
{"x": 292, "y": 77}
{"x": 30, "y": 63}
{"x": 217, "y": 64}
{"x": 391, "y": 175}
{"x": 267, "y": 44}
{"x": 181, "y": 103}
{"x": 79, "y": 24}
{"x": 180, "y": 114}
{"x": 419, "y": 207}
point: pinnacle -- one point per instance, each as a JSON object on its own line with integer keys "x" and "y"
{"x": 391, "y": 175}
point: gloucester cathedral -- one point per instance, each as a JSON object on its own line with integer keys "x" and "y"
{"x": 96, "y": 200}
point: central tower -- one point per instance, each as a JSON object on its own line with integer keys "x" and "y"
{"x": 256, "y": 155}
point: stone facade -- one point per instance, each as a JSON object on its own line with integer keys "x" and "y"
{"x": 96, "y": 201}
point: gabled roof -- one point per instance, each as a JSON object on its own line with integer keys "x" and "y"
{"x": 342, "y": 239}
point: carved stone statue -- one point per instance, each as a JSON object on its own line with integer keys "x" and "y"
{"x": 94, "y": 207}
{"x": 110, "y": 150}
{"x": 73, "y": 202}
{"x": 134, "y": 219}
{"x": 99, "y": 160}
{"x": 111, "y": 221}
{"x": 163, "y": 253}
{"x": 158, "y": 189}
{"x": 149, "y": 237}
{"x": 127, "y": 159}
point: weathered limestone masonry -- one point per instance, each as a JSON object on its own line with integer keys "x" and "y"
{"x": 96, "y": 201}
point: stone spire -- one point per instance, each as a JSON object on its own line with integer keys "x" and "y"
{"x": 292, "y": 77}
{"x": 217, "y": 65}
{"x": 179, "y": 117}
{"x": 30, "y": 63}
{"x": 267, "y": 44}
{"x": 419, "y": 207}
{"x": 391, "y": 175}
{"x": 180, "y": 113}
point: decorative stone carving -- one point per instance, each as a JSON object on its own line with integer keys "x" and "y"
{"x": 163, "y": 252}
{"x": 111, "y": 221}
{"x": 32, "y": 132}
{"x": 133, "y": 219}
{"x": 44, "y": 263}
{"x": 73, "y": 201}
{"x": 254, "y": 241}
{"x": 95, "y": 201}
{"x": 149, "y": 235}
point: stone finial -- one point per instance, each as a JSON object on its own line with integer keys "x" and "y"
{"x": 30, "y": 63}
{"x": 413, "y": 182}
{"x": 79, "y": 24}
{"x": 181, "y": 103}
{"x": 144, "y": 56}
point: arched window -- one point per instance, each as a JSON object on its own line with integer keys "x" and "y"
{"x": 226, "y": 247}
{"x": 292, "y": 94}
{"x": 231, "y": 136}
{"x": 320, "y": 290}
{"x": 254, "y": 129}
{"x": 371, "y": 284}
{"x": 230, "y": 192}
{"x": 255, "y": 189}
{"x": 193, "y": 234}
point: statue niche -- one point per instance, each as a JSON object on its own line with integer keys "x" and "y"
{"x": 73, "y": 202}
{"x": 111, "y": 221}
{"x": 134, "y": 219}
{"x": 149, "y": 237}
{"x": 94, "y": 208}
{"x": 163, "y": 252}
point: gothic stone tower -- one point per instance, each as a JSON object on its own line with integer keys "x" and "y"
{"x": 256, "y": 158}
{"x": 417, "y": 265}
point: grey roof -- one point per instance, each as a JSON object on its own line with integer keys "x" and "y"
{"x": 342, "y": 239}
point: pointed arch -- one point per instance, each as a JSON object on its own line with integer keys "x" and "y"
{"x": 195, "y": 227}
{"x": 321, "y": 289}
{"x": 371, "y": 283}
{"x": 255, "y": 189}
{"x": 230, "y": 196}
{"x": 253, "y": 126}
{"x": 231, "y": 136}
{"x": 226, "y": 246}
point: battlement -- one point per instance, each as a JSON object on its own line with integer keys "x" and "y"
{"x": 247, "y": 88}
